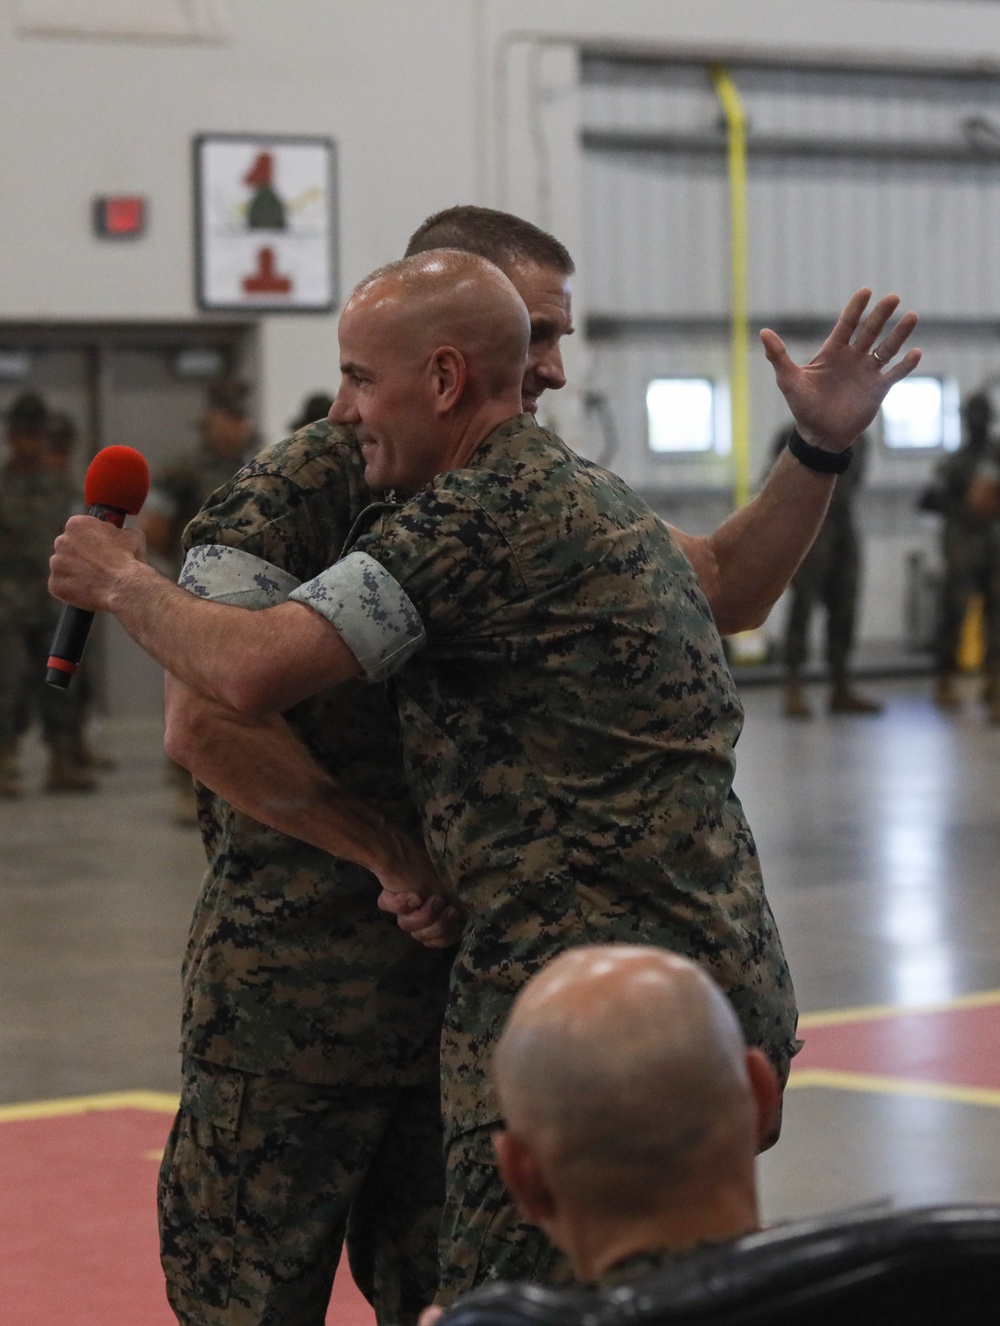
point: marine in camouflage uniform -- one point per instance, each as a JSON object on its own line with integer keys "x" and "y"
{"x": 180, "y": 489}
{"x": 830, "y": 574}
{"x": 310, "y": 1026}
{"x": 568, "y": 728}
{"x": 971, "y": 553}
{"x": 36, "y": 500}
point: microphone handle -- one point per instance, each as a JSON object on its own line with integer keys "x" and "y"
{"x": 73, "y": 629}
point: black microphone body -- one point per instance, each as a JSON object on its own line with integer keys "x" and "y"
{"x": 73, "y": 629}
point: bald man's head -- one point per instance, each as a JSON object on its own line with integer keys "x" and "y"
{"x": 624, "y": 1070}
{"x": 433, "y": 351}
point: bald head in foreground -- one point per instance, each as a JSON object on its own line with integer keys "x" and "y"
{"x": 432, "y": 356}
{"x": 634, "y": 1110}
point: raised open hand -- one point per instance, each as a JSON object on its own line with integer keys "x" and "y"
{"x": 838, "y": 393}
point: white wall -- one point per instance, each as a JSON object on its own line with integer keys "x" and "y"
{"x": 426, "y": 102}
{"x": 393, "y": 83}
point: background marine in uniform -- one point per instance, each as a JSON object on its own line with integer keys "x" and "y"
{"x": 37, "y": 496}
{"x": 830, "y": 575}
{"x": 971, "y": 556}
{"x": 178, "y": 492}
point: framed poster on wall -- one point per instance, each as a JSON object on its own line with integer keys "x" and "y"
{"x": 265, "y": 223}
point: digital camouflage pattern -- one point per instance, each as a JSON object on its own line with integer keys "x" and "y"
{"x": 291, "y": 969}
{"x": 569, "y": 735}
{"x": 830, "y": 574}
{"x": 183, "y": 486}
{"x": 260, "y": 1178}
{"x": 483, "y": 1235}
{"x": 34, "y": 507}
{"x": 310, "y": 1021}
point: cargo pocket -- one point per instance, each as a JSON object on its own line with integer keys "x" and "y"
{"x": 199, "y": 1186}
{"x": 483, "y": 1236}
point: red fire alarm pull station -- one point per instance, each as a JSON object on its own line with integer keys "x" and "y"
{"x": 122, "y": 216}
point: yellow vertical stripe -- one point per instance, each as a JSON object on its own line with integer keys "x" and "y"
{"x": 732, "y": 108}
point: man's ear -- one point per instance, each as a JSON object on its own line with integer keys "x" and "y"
{"x": 767, "y": 1094}
{"x": 523, "y": 1177}
{"x": 449, "y": 374}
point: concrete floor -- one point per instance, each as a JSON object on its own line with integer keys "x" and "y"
{"x": 880, "y": 840}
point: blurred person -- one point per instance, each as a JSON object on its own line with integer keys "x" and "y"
{"x": 177, "y": 493}
{"x": 983, "y": 498}
{"x": 37, "y": 496}
{"x": 79, "y": 696}
{"x": 971, "y": 554}
{"x": 830, "y": 574}
{"x": 570, "y": 728}
{"x": 181, "y": 487}
{"x": 633, "y": 1111}
{"x": 314, "y": 410}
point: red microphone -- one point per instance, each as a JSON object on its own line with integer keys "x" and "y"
{"x": 116, "y": 485}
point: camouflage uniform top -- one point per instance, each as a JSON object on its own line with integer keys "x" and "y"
{"x": 568, "y": 729}
{"x": 184, "y": 485}
{"x": 34, "y": 507}
{"x": 641, "y": 1264}
{"x": 952, "y": 478}
{"x": 291, "y": 969}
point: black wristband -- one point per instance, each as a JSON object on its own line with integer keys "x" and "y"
{"x": 815, "y": 458}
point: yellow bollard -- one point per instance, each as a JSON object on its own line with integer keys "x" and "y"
{"x": 972, "y": 644}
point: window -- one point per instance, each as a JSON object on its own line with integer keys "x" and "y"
{"x": 685, "y": 415}
{"x": 921, "y": 413}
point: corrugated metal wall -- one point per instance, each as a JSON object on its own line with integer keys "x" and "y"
{"x": 855, "y": 178}
{"x": 878, "y": 179}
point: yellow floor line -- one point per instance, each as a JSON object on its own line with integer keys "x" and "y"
{"x": 160, "y": 1102}
{"x": 872, "y": 1012}
{"x": 893, "y": 1086}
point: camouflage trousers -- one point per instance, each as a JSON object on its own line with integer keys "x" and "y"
{"x": 263, "y": 1177}
{"x": 483, "y": 1235}
{"x": 23, "y": 690}
{"x": 829, "y": 576}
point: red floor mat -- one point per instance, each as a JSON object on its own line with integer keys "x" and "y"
{"x": 957, "y": 1046}
{"x": 78, "y": 1221}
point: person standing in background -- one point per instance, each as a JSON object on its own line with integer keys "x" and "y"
{"x": 830, "y": 574}
{"x": 37, "y": 496}
{"x": 181, "y": 487}
{"x": 178, "y": 492}
{"x": 971, "y": 555}
{"x": 79, "y": 696}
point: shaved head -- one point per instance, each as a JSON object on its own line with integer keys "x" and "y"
{"x": 432, "y": 357}
{"x": 625, "y": 1067}
{"x": 447, "y": 297}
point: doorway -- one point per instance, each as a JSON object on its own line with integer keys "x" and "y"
{"x": 135, "y": 385}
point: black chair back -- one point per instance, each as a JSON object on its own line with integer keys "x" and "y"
{"x": 938, "y": 1266}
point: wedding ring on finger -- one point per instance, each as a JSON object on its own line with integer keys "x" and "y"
{"x": 877, "y": 357}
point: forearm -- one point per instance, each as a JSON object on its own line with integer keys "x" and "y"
{"x": 259, "y": 766}
{"x": 745, "y": 566}
{"x": 248, "y": 661}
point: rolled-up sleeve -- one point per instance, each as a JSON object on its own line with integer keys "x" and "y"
{"x": 229, "y": 575}
{"x": 370, "y": 610}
